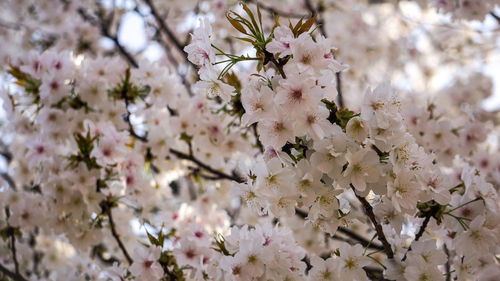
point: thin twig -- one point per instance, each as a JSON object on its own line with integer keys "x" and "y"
{"x": 107, "y": 210}
{"x": 347, "y": 232}
{"x": 275, "y": 11}
{"x": 319, "y": 18}
{"x": 190, "y": 157}
{"x": 374, "y": 274}
{"x": 257, "y": 140}
{"x": 321, "y": 25}
{"x": 495, "y": 16}
{"x": 9, "y": 180}
{"x": 364, "y": 242}
{"x": 419, "y": 233}
{"x": 339, "y": 90}
{"x": 104, "y": 27}
{"x": 11, "y": 275}
{"x": 16, "y": 275}
{"x": 200, "y": 164}
{"x": 447, "y": 265}
{"x": 380, "y": 232}
{"x": 167, "y": 31}
{"x": 168, "y": 51}
{"x": 13, "y": 250}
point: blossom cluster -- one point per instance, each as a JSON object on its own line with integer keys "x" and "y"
{"x": 465, "y": 9}
{"x": 248, "y": 161}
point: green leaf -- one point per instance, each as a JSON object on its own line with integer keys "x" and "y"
{"x": 307, "y": 25}
{"x": 153, "y": 240}
{"x": 236, "y": 24}
{"x": 250, "y": 14}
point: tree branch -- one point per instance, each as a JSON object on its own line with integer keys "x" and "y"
{"x": 420, "y": 232}
{"x": 495, "y": 16}
{"x": 104, "y": 27}
{"x": 447, "y": 265}
{"x": 347, "y": 232}
{"x": 11, "y": 275}
{"x": 321, "y": 25}
{"x": 364, "y": 242}
{"x": 339, "y": 90}
{"x": 16, "y": 276}
{"x": 374, "y": 274}
{"x": 319, "y": 19}
{"x": 13, "y": 249}
{"x": 380, "y": 233}
{"x": 106, "y": 208}
{"x": 9, "y": 180}
{"x": 167, "y": 31}
{"x": 200, "y": 164}
{"x": 274, "y": 11}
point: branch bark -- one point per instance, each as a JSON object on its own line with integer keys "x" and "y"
{"x": 420, "y": 232}
{"x": 16, "y": 277}
{"x": 107, "y": 210}
{"x": 275, "y": 11}
{"x": 167, "y": 31}
{"x": 380, "y": 232}
{"x": 347, "y": 232}
{"x": 104, "y": 27}
{"x": 206, "y": 167}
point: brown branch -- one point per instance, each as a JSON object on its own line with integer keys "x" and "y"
{"x": 319, "y": 19}
{"x": 206, "y": 167}
{"x": 9, "y": 180}
{"x": 13, "y": 249}
{"x": 321, "y": 25}
{"x": 168, "y": 52}
{"x": 11, "y": 275}
{"x": 19, "y": 26}
{"x": 257, "y": 140}
{"x": 106, "y": 208}
{"x": 218, "y": 174}
{"x": 364, "y": 242}
{"x": 380, "y": 232}
{"x": 374, "y": 274}
{"x": 448, "y": 264}
{"x": 339, "y": 90}
{"x": 275, "y": 11}
{"x": 167, "y": 31}
{"x": 495, "y": 16}
{"x": 420, "y": 232}
{"x": 104, "y": 26}
{"x": 347, "y": 232}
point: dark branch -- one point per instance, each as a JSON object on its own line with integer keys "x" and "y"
{"x": 204, "y": 166}
{"x": 257, "y": 140}
{"x": 495, "y": 16}
{"x": 10, "y": 274}
{"x": 106, "y": 208}
{"x": 374, "y": 274}
{"x": 339, "y": 90}
{"x": 13, "y": 249}
{"x": 167, "y": 31}
{"x": 380, "y": 233}
{"x": 319, "y": 18}
{"x": 9, "y": 180}
{"x": 347, "y": 232}
{"x": 448, "y": 264}
{"x": 275, "y": 11}
{"x": 364, "y": 242}
{"x": 104, "y": 26}
{"x": 420, "y": 232}
{"x": 16, "y": 276}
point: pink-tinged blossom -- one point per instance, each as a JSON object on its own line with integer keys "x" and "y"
{"x": 146, "y": 265}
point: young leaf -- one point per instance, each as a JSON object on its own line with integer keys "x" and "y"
{"x": 236, "y": 24}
